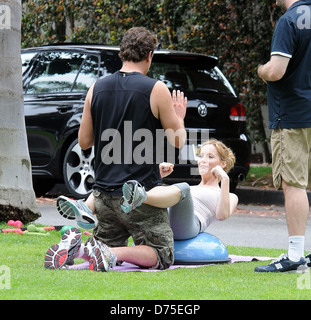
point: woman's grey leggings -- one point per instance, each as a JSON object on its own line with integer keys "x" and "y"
{"x": 184, "y": 223}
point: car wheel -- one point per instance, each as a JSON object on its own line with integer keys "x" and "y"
{"x": 78, "y": 170}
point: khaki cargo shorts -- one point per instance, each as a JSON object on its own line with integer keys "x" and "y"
{"x": 291, "y": 159}
{"x": 146, "y": 224}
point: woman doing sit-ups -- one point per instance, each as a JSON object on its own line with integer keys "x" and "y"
{"x": 191, "y": 208}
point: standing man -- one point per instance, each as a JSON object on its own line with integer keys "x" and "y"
{"x": 129, "y": 98}
{"x": 288, "y": 78}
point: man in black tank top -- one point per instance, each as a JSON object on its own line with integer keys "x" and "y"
{"x": 118, "y": 109}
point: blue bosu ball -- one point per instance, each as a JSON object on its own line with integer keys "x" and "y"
{"x": 202, "y": 249}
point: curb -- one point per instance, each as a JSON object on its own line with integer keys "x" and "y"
{"x": 248, "y": 195}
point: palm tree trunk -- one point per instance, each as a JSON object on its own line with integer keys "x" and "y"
{"x": 17, "y": 198}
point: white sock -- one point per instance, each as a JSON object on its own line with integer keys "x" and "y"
{"x": 296, "y": 247}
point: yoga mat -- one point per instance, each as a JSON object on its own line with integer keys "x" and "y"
{"x": 129, "y": 267}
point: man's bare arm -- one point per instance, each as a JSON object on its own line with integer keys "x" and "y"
{"x": 273, "y": 70}
{"x": 86, "y": 134}
{"x": 171, "y": 111}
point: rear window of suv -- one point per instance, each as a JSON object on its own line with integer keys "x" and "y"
{"x": 189, "y": 75}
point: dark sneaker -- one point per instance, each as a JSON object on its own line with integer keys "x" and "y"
{"x": 101, "y": 258}
{"x": 133, "y": 195}
{"x": 64, "y": 252}
{"x": 308, "y": 260}
{"x": 283, "y": 264}
{"x": 76, "y": 210}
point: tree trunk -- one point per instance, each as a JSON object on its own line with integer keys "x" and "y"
{"x": 17, "y": 198}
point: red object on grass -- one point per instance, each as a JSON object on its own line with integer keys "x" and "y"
{"x": 16, "y": 223}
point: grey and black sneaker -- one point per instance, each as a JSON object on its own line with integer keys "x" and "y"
{"x": 101, "y": 258}
{"x": 283, "y": 264}
{"x": 133, "y": 195}
{"x": 76, "y": 210}
{"x": 308, "y": 259}
{"x": 63, "y": 253}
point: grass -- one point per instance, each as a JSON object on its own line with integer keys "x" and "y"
{"x": 29, "y": 280}
{"x": 259, "y": 176}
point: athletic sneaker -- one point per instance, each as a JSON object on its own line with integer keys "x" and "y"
{"x": 101, "y": 258}
{"x": 283, "y": 264}
{"x": 76, "y": 210}
{"x": 308, "y": 259}
{"x": 64, "y": 252}
{"x": 133, "y": 195}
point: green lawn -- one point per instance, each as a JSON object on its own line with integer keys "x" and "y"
{"x": 24, "y": 255}
{"x": 259, "y": 176}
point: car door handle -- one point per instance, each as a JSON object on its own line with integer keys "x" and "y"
{"x": 64, "y": 108}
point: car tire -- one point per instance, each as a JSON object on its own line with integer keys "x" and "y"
{"x": 78, "y": 170}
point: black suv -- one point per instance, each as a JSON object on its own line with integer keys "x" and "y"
{"x": 56, "y": 79}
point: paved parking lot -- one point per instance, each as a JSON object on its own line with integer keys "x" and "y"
{"x": 256, "y": 226}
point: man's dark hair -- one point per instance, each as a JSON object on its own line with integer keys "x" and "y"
{"x": 136, "y": 44}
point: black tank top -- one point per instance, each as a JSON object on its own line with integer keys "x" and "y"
{"x": 124, "y": 132}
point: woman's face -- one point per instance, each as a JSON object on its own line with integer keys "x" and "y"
{"x": 208, "y": 159}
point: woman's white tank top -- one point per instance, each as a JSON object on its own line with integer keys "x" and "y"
{"x": 205, "y": 200}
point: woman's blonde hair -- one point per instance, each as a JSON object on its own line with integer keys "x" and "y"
{"x": 224, "y": 152}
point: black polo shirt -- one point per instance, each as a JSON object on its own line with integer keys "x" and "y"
{"x": 289, "y": 99}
